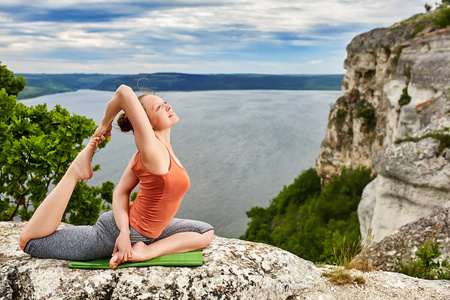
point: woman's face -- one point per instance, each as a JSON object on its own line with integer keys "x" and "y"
{"x": 160, "y": 114}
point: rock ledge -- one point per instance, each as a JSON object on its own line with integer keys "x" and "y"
{"x": 233, "y": 269}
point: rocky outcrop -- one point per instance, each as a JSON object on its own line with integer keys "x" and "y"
{"x": 233, "y": 269}
{"x": 380, "y": 64}
{"x": 394, "y": 117}
{"x": 402, "y": 245}
{"x": 413, "y": 173}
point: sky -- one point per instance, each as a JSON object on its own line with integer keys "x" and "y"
{"x": 189, "y": 36}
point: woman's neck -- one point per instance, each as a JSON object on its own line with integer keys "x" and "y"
{"x": 164, "y": 137}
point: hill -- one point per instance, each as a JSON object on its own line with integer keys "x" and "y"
{"x": 44, "y": 84}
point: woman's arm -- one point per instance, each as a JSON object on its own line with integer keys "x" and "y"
{"x": 125, "y": 99}
{"x": 121, "y": 199}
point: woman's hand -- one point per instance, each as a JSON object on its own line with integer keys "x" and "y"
{"x": 122, "y": 250}
{"x": 103, "y": 131}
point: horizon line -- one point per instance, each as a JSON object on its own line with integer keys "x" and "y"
{"x": 267, "y": 74}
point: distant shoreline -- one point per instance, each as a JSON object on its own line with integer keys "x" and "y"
{"x": 46, "y": 84}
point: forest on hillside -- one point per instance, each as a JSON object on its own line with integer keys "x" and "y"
{"x": 44, "y": 84}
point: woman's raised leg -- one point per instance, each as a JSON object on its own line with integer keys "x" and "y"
{"x": 47, "y": 216}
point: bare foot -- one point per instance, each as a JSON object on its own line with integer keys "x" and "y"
{"x": 114, "y": 262}
{"x": 139, "y": 250}
{"x": 81, "y": 166}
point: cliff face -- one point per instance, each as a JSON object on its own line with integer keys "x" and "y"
{"x": 396, "y": 89}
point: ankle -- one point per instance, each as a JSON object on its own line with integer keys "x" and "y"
{"x": 72, "y": 174}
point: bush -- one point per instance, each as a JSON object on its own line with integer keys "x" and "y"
{"x": 405, "y": 98}
{"x": 419, "y": 28}
{"x": 426, "y": 264}
{"x": 368, "y": 114}
{"x": 340, "y": 116}
{"x": 308, "y": 220}
{"x": 443, "y": 18}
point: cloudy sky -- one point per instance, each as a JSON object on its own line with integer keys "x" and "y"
{"x": 190, "y": 36}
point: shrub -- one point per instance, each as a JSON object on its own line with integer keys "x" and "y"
{"x": 340, "y": 116}
{"x": 419, "y": 28}
{"x": 405, "y": 98}
{"x": 426, "y": 264}
{"x": 370, "y": 121}
{"x": 443, "y": 18}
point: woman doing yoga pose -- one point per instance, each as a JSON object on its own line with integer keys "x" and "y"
{"x": 137, "y": 231}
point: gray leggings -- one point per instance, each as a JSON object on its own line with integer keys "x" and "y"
{"x": 97, "y": 241}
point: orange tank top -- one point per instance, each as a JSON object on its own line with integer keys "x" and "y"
{"x": 159, "y": 197}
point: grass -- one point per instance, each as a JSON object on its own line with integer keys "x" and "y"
{"x": 341, "y": 276}
{"x": 350, "y": 255}
{"x": 345, "y": 251}
{"x": 427, "y": 17}
{"x": 353, "y": 255}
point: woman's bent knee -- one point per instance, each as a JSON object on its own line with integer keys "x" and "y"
{"x": 23, "y": 240}
{"x": 207, "y": 238}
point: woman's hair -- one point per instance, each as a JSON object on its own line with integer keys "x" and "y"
{"x": 123, "y": 121}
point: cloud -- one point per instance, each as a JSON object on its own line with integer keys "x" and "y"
{"x": 181, "y": 34}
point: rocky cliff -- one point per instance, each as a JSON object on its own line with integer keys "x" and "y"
{"x": 401, "y": 246}
{"x": 232, "y": 269}
{"x": 394, "y": 117}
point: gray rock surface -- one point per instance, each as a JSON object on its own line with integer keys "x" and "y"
{"x": 403, "y": 244}
{"x": 233, "y": 269}
{"x": 413, "y": 176}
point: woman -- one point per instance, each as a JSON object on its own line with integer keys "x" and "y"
{"x": 138, "y": 231}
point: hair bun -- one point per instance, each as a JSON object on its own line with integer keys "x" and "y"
{"x": 124, "y": 123}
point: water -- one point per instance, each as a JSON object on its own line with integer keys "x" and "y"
{"x": 239, "y": 147}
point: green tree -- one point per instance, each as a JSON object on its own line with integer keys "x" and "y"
{"x": 36, "y": 148}
{"x": 311, "y": 221}
{"x": 12, "y": 85}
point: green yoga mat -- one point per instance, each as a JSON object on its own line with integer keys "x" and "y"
{"x": 187, "y": 259}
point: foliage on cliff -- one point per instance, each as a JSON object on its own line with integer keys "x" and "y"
{"x": 36, "y": 148}
{"x": 309, "y": 220}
